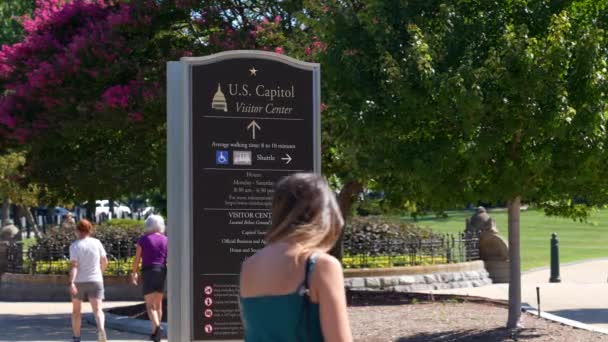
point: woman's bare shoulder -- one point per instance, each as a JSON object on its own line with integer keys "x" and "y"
{"x": 254, "y": 260}
{"x": 326, "y": 275}
{"x": 327, "y": 260}
{"x": 327, "y": 263}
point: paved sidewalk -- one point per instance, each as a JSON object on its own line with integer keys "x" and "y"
{"x": 581, "y": 296}
{"x": 35, "y": 321}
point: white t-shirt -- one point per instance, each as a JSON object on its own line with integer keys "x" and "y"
{"x": 88, "y": 253}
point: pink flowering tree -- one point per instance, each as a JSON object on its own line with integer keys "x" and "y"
{"x": 83, "y": 92}
{"x": 10, "y": 11}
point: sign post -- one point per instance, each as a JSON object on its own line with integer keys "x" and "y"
{"x": 238, "y": 121}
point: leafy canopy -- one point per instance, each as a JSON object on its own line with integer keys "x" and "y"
{"x": 443, "y": 103}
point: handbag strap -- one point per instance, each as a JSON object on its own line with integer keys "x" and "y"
{"x": 305, "y": 292}
{"x": 311, "y": 261}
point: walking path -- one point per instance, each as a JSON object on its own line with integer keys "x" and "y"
{"x": 582, "y": 294}
{"x": 36, "y": 321}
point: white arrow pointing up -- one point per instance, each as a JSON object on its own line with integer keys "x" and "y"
{"x": 253, "y": 126}
{"x": 287, "y": 158}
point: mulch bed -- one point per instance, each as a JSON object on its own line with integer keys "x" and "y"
{"x": 403, "y": 317}
{"x": 443, "y": 322}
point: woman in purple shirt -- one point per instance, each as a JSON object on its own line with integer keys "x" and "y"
{"x": 152, "y": 254}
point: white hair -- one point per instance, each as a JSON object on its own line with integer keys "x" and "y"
{"x": 155, "y": 223}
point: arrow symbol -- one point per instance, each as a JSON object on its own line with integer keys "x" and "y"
{"x": 287, "y": 158}
{"x": 253, "y": 126}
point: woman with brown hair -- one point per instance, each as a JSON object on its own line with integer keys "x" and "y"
{"x": 292, "y": 290}
{"x": 88, "y": 262}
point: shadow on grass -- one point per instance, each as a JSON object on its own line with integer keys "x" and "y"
{"x": 494, "y": 335}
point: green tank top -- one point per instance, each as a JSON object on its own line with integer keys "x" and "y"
{"x": 286, "y": 318}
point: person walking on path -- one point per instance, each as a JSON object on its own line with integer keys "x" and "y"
{"x": 151, "y": 252}
{"x": 88, "y": 262}
{"x": 292, "y": 290}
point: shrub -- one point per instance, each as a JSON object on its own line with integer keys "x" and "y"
{"x": 118, "y": 238}
{"x": 118, "y": 235}
{"x": 373, "y": 229}
{"x": 57, "y": 237}
{"x": 369, "y": 207}
{"x": 124, "y": 223}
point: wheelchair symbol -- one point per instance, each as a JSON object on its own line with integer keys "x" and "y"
{"x": 221, "y": 157}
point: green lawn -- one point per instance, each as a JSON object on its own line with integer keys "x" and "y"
{"x": 578, "y": 241}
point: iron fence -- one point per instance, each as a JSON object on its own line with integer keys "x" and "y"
{"x": 56, "y": 259}
{"x": 411, "y": 251}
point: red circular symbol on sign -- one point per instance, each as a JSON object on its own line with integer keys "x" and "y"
{"x": 208, "y": 290}
{"x": 208, "y": 301}
{"x": 208, "y": 328}
{"x": 208, "y": 313}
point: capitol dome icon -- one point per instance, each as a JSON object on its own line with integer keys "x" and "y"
{"x": 219, "y": 100}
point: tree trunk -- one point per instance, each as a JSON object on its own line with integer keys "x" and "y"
{"x": 346, "y": 198}
{"x": 515, "y": 264}
{"x": 6, "y": 209}
{"x": 31, "y": 221}
{"x": 111, "y": 204}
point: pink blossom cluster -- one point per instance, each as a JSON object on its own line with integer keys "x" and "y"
{"x": 67, "y": 42}
{"x": 129, "y": 98}
{"x": 315, "y": 47}
{"x": 51, "y": 14}
{"x": 116, "y": 97}
{"x": 231, "y": 39}
{"x": 257, "y": 35}
{"x": 267, "y": 31}
{"x": 90, "y": 56}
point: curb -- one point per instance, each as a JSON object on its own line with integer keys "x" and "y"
{"x": 558, "y": 319}
{"x": 126, "y": 324}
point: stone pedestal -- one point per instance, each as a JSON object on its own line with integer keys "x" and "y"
{"x": 414, "y": 279}
{"x": 499, "y": 271}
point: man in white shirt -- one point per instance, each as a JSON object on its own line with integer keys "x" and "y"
{"x": 88, "y": 262}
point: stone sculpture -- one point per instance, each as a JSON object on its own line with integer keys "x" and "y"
{"x": 493, "y": 248}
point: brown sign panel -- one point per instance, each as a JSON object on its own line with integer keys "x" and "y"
{"x": 254, "y": 119}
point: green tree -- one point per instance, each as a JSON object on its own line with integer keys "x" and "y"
{"x": 443, "y": 103}
{"x": 15, "y": 188}
{"x": 10, "y": 13}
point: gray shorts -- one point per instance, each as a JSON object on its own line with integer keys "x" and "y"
{"x": 88, "y": 290}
